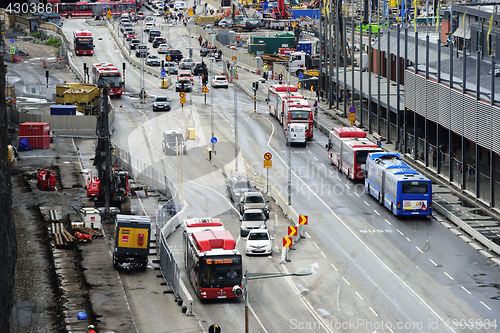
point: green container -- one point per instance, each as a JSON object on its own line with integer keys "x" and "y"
{"x": 256, "y": 48}
{"x": 273, "y": 43}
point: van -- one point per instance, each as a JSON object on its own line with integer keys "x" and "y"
{"x": 153, "y": 34}
{"x": 170, "y": 138}
{"x": 296, "y": 133}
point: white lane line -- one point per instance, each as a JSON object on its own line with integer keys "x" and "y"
{"x": 389, "y": 223}
{"x": 307, "y": 235}
{"x": 324, "y": 166}
{"x": 366, "y": 203}
{"x": 361, "y": 298}
{"x": 433, "y": 262}
{"x": 376, "y": 314}
{"x": 347, "y": 186}
{"x": 356, "y": 195}
{"x": 260, "y": 323}
{"x": 330, "y": 171}
{"x": 336, "y": 270}
{"x": 419, "y": 250}
{"x": 317, "y": 247}
{"x": 323, "y": 254}
{"x": 376, "y": 212}
{"x": 448, "y": 275}
{"x": 468, "y": 292}
{"x": 315, "y": 158}
{"x": 339, "y": 178}
{"x": 400, "y": 232}
{"x": 408, "y": 239}
{"x": 343, "y": 278}
{"x": 486, "y": 306}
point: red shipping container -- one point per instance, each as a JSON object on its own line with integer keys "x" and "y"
{"x": 38, "y": 134}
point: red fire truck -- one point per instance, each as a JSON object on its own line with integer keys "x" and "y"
{"x": 107, "y": 75}
{"x": 83, "y": 42}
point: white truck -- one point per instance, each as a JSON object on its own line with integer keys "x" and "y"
{"x": 301, "y": 62}
{"x": 296, "y": 133}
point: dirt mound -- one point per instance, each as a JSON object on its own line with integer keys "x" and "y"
{"x": 38, "y": 50}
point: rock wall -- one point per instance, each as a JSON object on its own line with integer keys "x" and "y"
{"x": 8, "y": 246}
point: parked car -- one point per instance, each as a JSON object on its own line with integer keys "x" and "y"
{"x": 252, "y": 219}
{"x": 184, "y": 85}
{"x": 186, "y": 63}
{"x": 163, "y": 48}
{"x": 173, "y": 142}
{"x": 141, "y": 51}
{"x": 259, "y": 241}
{"x": 219, "y": 81}
{"x": 175, "y": 55}
{"x": 254, "y": 200}
{"x": 134, "y": 42}
{"x": 153, "y": 34}
{"x": 185, "y": 75}
{"x": 158, "y": 41}
{"x": 171, "y": 67}
{"x": 153, "y": 60}
{"x": 161, "y": 103}
{"x": 200, "y": 68}
{"x": 236, "y": 186}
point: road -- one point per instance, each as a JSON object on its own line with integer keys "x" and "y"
{"x": 373, "y": 271}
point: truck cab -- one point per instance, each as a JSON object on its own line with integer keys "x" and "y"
{"x": 296, "y": 133}
{"x": 301, "y": 61}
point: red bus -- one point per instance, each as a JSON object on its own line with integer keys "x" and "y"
{"x": 107, "y": 75}
{"x": 335, "y": 138}
{"x": 83, "y": 42}
{"x": 276, "y": 95}
{"x": 353, "y": 156}
{"x": 213, "y": 264}
{"x": 89, "y": 9}
{"x": 298, "y": 111}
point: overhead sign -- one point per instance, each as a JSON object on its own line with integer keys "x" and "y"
{"x": 268, "y": 164}
{"x": 182, "y": 94}
{"x": 268, "y": 156}
{"x": 292, "y": 231}
{"x": 205, "y": 89}
{"x": 303, "y": 219}
{"x": 287, "y": 241}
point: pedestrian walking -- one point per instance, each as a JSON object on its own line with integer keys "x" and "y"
{"x": 317, "y": 95}
{"x": 200, "y": 40}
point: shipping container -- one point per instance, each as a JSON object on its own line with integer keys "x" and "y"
{"x": 63, "y": 110}
{"x": 38, "y": 134}
{"x": 310, "y": 13}
{"x": 274, "y": 43}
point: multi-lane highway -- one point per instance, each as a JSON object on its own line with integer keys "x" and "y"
{"x": 372, "y": 271}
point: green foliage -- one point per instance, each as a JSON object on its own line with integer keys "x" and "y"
{"x": 53, "y": 42}
{"x": 36, "y": 34}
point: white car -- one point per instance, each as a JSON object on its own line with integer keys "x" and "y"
{"x": 219, "y": 81}
{"x": 150, "y": 19}
{"x": 149, "y": 26}
{"x": 259, "y": 242}
{"x": 186, "y": 63}
{"x": 163, "y": 48}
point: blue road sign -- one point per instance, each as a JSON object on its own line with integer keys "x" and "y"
{"x": 301, "y": 76}
{"x": 352, "y": 109}
{"x": 163, "y": 73}
{"x": 12, "y": 40}
{"x": 213, "y": 140}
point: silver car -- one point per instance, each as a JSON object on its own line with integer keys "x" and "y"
{"x": 254, "y": 200}
{"x": 236, "y": 186}
{"x": 252, "y": 219}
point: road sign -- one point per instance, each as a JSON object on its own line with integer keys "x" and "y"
{"x": 205, "y": 89}
{"x": 303, "y": 219}
{"x": 12, "y": 40}
{"x": 213, "y": 140}
{"x": 182, "y": 94}
{"x": 268, "y": 156}
{"x": 301, "y": 76}
{"x": 190, "y": 13}
{"x": 287, "y": 241}
{"x": 169, "y": 58}
{"x": 233, "y": 58}
{"x": 214, "y": 329}
{"x": 268, "y": 164}
{"x": 108, "y": 14}
{"x": 352, "y": 109}
{"x": 292, "y": 231}
{"x": 13, "y": 50}
{"x": 163, "y": 73}
{"x": 183, "y": 100}
{"x": 352, "y": 117}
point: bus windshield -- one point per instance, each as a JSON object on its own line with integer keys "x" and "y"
{"x": 415, "y": 187}
{"x": 361, "y": 157}
{"x": 296, "y": 114}
{"x": 84, "y": 44}
{"x": 112, "y": 82}
{"x": 220, "y": 272}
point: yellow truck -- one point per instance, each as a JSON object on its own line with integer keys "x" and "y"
{"x": 206, "y": 19}
{"x": 132, "y": 238}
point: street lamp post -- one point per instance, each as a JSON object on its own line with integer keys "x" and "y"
{"x": 259, "y": 276}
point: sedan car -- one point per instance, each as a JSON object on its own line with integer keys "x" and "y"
{"x": 236, "y": 186}
{"x": 133, "y": 43}
{"x": 254, "y": 200}
{"x": 126, "y": 25}
{"x": 141, "y": 15}
{"x": 141, "y": 50}
{"x": 171, "y": 67}
{"x": 200, "y": 68}
{"x": 259, "y": 242}
{"x": 131, "y": 36}
{"x": 185, "y": 75}
{"x": 183, "y": 85}
{"x": 219, "y": 81}
{"x": 148, "y": 27}
{"x": 158, "y": 41}
{"x": 252, "y": 219}
{"x": 163, "y": 48}
{"x": 186, "y": 63}
{"x": 161, "y": 103}
{"x": 128, "y": 30}
{"x": 153, "y": 60}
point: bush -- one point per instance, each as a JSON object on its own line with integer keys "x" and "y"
{"x": 53, "y": 42}
{"x": 36, "y": 34}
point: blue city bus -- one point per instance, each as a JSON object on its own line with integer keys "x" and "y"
{"x": 397, "y": 186}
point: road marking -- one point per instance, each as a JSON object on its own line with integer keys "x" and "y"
{"x": 433, "y": 262}
{"x": 315, "y": 158}
{"x": 334, "y": 268}
{"x": 339, "y": 178}
{"x": 346, "y": 281}
{"x": 408, "y": 239}
{"x": 330, "y": 171}
{"x": 468, "y": 292}
{"x": 323, "y": 254}
{"x": 356, "y": 194}
{"x": 316, "y": 245}
{"x": 366, "y": 203}
{"x": 255, "y": 315}
{"x": 376, "y": 314}
{"x": 307, "y": 234}
{"x": 309, "y": 152}
{"x": 486, "y": 306}
{"x": 388, "y": 222}
{"x": 419, "y": 250}
{"x": 324, "y": 166}
{"x": 400, "y": 232}
{"x": 361, "y": 298}
{"x": 448, "y": 275}
{"x": 347, "y": 186}
{"x": 376, "y": 212}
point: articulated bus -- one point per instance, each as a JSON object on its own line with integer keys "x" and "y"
{"x": 397, "y": 186}
{"x": 276, "y": 95}
{"x": 90, "y": 9}
{"x": 107, "y": 75}
{"x": 335, "y": 138}
{"x": 298, "y": 111}
{"x": 213, "y": 264}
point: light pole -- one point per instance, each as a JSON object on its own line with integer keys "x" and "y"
{"x": 258, "y": 276}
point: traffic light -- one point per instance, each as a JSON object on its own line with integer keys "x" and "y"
{"x": 255, "y": 86}
{"x": 204, "y": 79}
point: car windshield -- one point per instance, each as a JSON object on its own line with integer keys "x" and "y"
{"x": 254, "y": 199}
{"x": 171, "y": 138}
{"x": 187, "y": 60}
{"x": 242, "y": 184}
{"x": 253, "y": 217}
{"x": 220, "y": 78}
{"x": 258, "y": 236}
{"x": 153, "y": 57}
{"x": 161, "y": 99}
